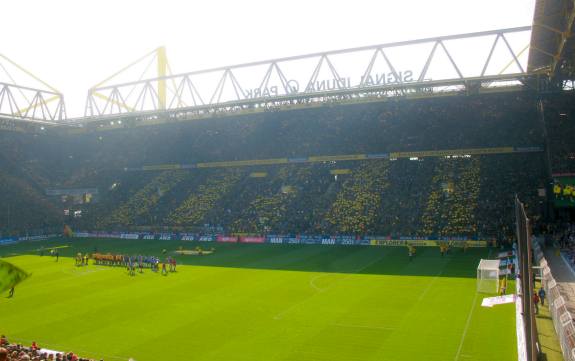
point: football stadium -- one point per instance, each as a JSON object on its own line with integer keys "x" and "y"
{"x": 408, "y": 200}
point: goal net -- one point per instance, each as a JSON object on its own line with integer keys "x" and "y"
{"x": 488, "y": 276}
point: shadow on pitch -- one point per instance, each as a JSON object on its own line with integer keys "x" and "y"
{"x": 307, "y": 258}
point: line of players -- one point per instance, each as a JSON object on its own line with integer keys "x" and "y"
{"x": 130, "y": 262}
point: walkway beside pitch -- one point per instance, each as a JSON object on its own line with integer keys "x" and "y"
{"x": 565, "y": 278}
{"x": 548, "y": 341}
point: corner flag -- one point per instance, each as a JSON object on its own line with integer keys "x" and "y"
{"x": 10, "y": 276}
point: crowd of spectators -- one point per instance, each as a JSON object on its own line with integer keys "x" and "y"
{"x": 559, "y": 114}
{"x": 563, "y": 234}
{"x": 139, "y": 207}
{"x": 357, "y": 205}
{"x": 19, "y": 352}
{"x": 307, "y": 200}
{"x": 408, "y": 190}
{"x": 560, "y": 233}
{"x": 199, "y": 201}
{"x": 23, "y": 207}
{"x": 450, "y": 196}
{"x": 450, "y": 209}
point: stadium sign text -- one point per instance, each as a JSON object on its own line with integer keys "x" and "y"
{"x": 293, "y": 87}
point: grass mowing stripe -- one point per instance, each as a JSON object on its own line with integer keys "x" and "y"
{"x": 280, "y": 315}
{"x": 363, "y": 326}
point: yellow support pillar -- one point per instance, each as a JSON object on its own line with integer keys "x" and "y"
{"x": 162, "y": 72}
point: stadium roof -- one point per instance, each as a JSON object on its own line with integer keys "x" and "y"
{"x": 552, "y": 44}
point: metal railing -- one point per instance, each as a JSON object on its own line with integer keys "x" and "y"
{"x": 562, "y": 318}
{"x": 434, "y": 65}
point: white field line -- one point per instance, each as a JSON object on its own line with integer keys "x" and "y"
{"x": 467, "y": 323}
{"x": 280, "y": 315}
{"x": 315, "y": 278}
{"x": 435, "y": 278}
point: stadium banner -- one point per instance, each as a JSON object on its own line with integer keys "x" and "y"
{"x": 310, "y": 239}
{"x": 12, "y": 240}
{"x": 226, "y": 239}
{"x": 474, "y": 244}
{"x": 167, "y": 236}
{"x": 347, "y": 240}
{"x": 243, "y": 163}
{"x": 162, "y": 167}
{"x": 189, "y": 166}
{"x": 340, "y": 171}
{"x": 248, "y": 239}
{"x": 6, "y": 241}
{"x": 404, "y": 242}
{"x": 378, "y": 156}
{"x": 341, "y": 157}
{"x": 10, "y": 276}
{"x": 130, "y": 236}
{"x": 298, "y": 160}
{"x": 70, "y": 191}
{"x": 325, "y": 240}
{"x": 527, "y": 149}
{"x": 274, "y": 239}
{"x": 207, "y": 238}
{"x": 328, "y": 241}
{"x": 498, "y": 300}
{"x": 82, "y": 234}
{"x": 108, "y": 235}
{"x": 293, "y": 240}
{"x": 425, "y": 242}
{"x": 329, "y": 158}
{"x": 36, "y": 238}
{"x": 363, "y": 242}
{"x": 450, "y": 152}
{"x": 188, "y": 237}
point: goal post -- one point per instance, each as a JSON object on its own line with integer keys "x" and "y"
{"x": 488, "y": 276}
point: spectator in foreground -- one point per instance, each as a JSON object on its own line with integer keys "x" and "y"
{"x": 3, "y": 354}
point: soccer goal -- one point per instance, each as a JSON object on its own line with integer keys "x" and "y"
{"x": 488, "y": 276}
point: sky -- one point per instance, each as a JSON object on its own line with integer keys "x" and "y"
{"x": 75, "y": 44}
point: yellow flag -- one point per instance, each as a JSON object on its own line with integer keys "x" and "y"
{"x": 10, "y": 276}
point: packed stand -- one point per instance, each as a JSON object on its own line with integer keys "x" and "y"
{"x": 129, "y": 199}
{"x": 19, "y": 352}
{"x": 559, "y": 116}
{"x": 563, "y": 234}
{"x": 357, "y": 205}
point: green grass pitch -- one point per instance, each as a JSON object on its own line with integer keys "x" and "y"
{"x": 259, "y": 302}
